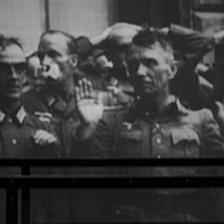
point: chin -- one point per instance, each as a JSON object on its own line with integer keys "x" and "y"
{"x": 145, "y": 92}
{"x": 53, "y": 83}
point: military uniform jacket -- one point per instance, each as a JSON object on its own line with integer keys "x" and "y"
{"x": 16, "y": 136}
{"x": 61, "y": 115}
{"x": 176, "y": 133}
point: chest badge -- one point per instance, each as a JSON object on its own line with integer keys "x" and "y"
{"x": 128, "y": 126}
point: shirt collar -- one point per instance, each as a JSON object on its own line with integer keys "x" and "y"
{"x": 50, "y": 99}
{"x": 180, "y": 108}
{"x": 19, "y": 116}
{"x": 175, "y": 108}
{"x": 2, "y": 116}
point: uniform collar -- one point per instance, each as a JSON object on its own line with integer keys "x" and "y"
{"x": 180, "y": 108}
{"x": 58, "y": 104}
{"x": 19, "y": 116}
{"x": 175, "y": 108}
{"x": 50, "y": 99}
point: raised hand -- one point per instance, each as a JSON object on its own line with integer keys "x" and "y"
{"x": 89, "y": 109}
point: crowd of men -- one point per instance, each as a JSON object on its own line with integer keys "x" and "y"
{"x": 128, "y": 92}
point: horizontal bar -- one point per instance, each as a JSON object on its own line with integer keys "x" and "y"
{"x": 111, "y": 162}
{"x": 110, "y": 182}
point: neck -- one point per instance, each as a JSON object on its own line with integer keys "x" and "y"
{"x": 64, "y": 90}
{"x": 9, "y": 106}
{"x": 156, "y": 102}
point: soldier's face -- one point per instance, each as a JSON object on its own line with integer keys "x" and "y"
{"x": 12, "y": 71}
{"x": 149, "y": 68}
{"x": 54, "y": 59}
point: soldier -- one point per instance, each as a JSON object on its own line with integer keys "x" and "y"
{"x": 69, "y": 110}
{"x": 68, "y": 105}
{"x": 158, "y": 126}
{"x": 57, "y": 52}
{"x": 21, "y": 134}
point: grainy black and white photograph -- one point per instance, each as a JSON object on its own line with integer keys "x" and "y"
{"x": 111, "y": 111}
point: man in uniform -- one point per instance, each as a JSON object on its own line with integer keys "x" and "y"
{"x": 158, "y": 126}
{"x": 68, "y": 105}
{"x": 21, "y": 135}
{"x": 56, "y": 103}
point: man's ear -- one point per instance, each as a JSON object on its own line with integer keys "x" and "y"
{"x": 173, "y": 69}
{"x": 74, "y": 60}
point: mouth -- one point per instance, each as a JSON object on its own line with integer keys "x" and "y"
{"x": 147, "y": 82}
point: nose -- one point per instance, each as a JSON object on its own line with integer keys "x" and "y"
{"x": 45, "y": 62}
{"x": 45, "y": 59}
{"x": 45, "y": 68}
{"x": 14, "y": 73}
{"x": 142, "y": 70}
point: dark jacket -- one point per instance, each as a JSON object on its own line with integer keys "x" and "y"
{"x": 63, "y": 116}
{"x": 177, "y": 133}
{"x": 16, "y": 141}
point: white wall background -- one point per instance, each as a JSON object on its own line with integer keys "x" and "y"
{"x": 22, "y": 19}
{"x": 80, "y": 16}
{"x": 26, "y": 19}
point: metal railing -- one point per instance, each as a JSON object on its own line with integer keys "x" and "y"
{"x": 25, "y": 182}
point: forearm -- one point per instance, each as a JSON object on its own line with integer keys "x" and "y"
{"x": 190, "y": 41}
{"x": 100, "y": 37}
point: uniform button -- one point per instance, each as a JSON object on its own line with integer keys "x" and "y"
{"x": 154, "y": 130}
{"x": 10, "y": 120}
{"x": 147, "y": 113}
{"x": 158, "y": 156}
{"x": 157, "y": 125}
{"x": 158, "y": 141}
{"x": 14, "y": 141}
{"x": 71, "y": 119}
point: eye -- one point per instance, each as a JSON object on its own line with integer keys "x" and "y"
{"x": 20, "y": 67}
{"x": 53, "y": 54}
{"x": 150, "y": 62}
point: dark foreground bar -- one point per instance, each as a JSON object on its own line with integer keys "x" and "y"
{"x": 26, "y": 182}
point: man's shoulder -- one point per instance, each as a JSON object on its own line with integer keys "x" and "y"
{"x": 201, "y": 116}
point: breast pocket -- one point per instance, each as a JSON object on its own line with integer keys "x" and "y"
{"x": 129, "y": 143}
{"x": 186, "y": 143}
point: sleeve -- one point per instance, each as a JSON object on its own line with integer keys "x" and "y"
{"x": 105, "y": 135}
{"x": 188, "y": 40}
{"x": 215, "y": 148}
{"x": 212, "y": 138}
{"x": 194, "y": 44}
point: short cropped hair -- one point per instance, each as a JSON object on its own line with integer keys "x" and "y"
{"x": 7, "y": 41}
{"x": 148, "y": 36}
{"x": 71, "y": 43}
